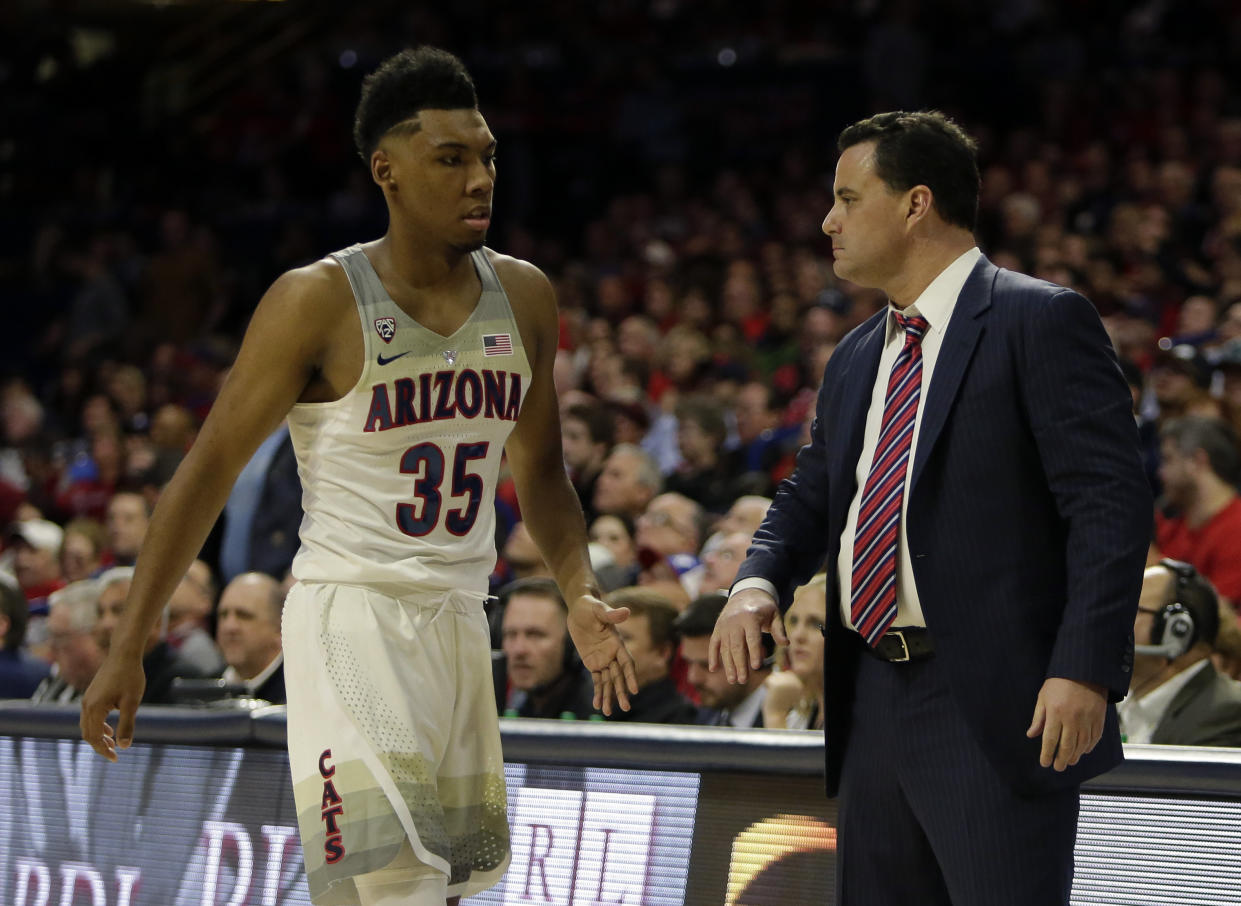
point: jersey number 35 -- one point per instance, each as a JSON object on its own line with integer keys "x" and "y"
{"x": 426, "y": 461}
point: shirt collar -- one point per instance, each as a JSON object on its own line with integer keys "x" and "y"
{"x": 747, "y": 709}
{"x": 232, "y": 676}
{"x": 938, "y": 300}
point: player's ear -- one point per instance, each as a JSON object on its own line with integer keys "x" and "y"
{"x": 381, "y": 170}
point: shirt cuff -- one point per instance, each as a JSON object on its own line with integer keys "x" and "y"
{"x": 755, "y": 582}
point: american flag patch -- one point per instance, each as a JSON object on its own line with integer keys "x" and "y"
{"x": 497, "y": 344}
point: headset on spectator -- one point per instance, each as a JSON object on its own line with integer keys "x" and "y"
{"x": 1175, "y": 628}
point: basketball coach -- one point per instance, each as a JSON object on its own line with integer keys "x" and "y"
{"x": 974, "y": 481}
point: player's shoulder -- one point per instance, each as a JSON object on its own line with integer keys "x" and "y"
{"x": 312, "y": 293}
{"x": 532, "y": 300}
{"x": 521, "y": 280}
{"x": 319, "y": 280}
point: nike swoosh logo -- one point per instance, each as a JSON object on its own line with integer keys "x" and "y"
{"x": 384, "y": 360}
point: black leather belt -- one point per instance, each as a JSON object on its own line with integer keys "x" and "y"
{"x": 913, "y": 643}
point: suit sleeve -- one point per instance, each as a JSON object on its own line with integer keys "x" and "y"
{"x": 1080, "y": 412}
{"x": 790, "y": 545}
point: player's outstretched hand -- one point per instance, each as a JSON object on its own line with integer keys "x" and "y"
{"x": 736, "y": 645}
{"x": 118, "y": 686}
{"x": 592, "y": 626}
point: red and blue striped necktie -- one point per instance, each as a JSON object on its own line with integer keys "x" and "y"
{"x": 872, "y": 603}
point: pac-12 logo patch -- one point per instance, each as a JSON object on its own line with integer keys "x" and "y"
{"x": 386, "y": 328}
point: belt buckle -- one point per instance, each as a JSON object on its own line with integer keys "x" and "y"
{"x": 904, "y": 658}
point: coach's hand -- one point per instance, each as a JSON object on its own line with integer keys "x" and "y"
{"x": 1070, "y": 716}
{"x": 592, "y": 626}
{"x": 737, "y": 642}
{"x": 118, "y": 685}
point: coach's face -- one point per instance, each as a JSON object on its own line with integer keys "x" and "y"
{"x": 868, "y": 223}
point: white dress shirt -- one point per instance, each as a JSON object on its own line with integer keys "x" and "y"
{"x": 936, "y": 303}
{"x": 231, "y": 675}
{"x": 1140, "y": 716}
{"x": 748, "y": 709}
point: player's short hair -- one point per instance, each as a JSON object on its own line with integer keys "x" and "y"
{"x": 924, "y": 148}
{"x": 424, "y": 78}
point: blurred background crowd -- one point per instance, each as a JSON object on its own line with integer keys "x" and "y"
{"x": 668, "y": 163}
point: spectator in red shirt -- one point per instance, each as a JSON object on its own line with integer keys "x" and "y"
{"x": 1200, "y": 467}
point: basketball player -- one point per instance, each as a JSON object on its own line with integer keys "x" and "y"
{"x": 405, "y": 367}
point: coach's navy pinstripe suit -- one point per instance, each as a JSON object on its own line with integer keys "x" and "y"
{"x": 1028, "y": 523}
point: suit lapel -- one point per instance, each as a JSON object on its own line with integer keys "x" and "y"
{"x": 964, "y": 329}
{"x": 1189, "y": 692}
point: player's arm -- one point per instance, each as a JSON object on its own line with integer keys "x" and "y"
{"x": 279, "y": 356}
{"x": 549, "y": 505}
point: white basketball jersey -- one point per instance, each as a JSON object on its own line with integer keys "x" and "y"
{"x": 399, "y": 475}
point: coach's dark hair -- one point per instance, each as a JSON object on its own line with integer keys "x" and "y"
{"x": 425, "y": 78}
{"x": 925, "y": 148}
{"x": 1213, "y": 436}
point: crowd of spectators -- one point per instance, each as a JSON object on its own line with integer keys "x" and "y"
{"x": 668, "y": 163}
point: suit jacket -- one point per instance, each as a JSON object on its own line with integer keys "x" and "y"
{"x": 573, "y": 691}
{"x": 658, "y": 703}
{"x": 20, "y": 674}
{"x": 161, "y": 666}
{"x": 272, "y": 689}
{"x": 274, "y": 529}
{"x": 1206, "y": 712}
{"x": 1028, "y": 516}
